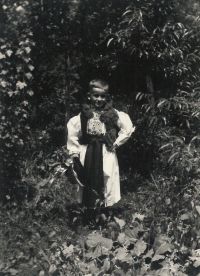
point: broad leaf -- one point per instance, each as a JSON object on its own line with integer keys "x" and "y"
{"x": 149, "y": 254}
{"x": 122, "y": 255}
{"x": 158, "y": 258}
{"x": 196, "y": 261}
{"x": 125, "y": 240}
{"x": 121, "y": 222}
{"x": 140, "y": 247}
{"x": 93, "y": 268}
{"x": 164, "y": 248}
{"x": 13, "y": 271}
{"x": 95, "y": 238}
{"x": 131, "y": 233}
{"x": 106, "y": 265}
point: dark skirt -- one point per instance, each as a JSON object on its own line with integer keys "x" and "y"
{"x": 93, "y": 191}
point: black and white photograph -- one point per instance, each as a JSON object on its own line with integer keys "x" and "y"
{"x": 100, "y": 137}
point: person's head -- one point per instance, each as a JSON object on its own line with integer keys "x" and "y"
{"x": 98, "y": 93}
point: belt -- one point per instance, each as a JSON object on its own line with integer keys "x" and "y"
{"x": 90, "y": 138}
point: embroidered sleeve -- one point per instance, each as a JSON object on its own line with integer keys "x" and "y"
{"x": 95, "y": 126}
{"x": 126, "y": 128}
{"x": 74, "y": 132}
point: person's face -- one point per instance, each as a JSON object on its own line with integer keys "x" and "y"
{"x": 98, "y": 97}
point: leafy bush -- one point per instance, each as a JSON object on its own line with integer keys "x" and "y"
{"x": 156, "y": 231}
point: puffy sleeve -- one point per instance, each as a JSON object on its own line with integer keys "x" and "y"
{"x": 126, "y": 128}
{"x": 74, "y": 131}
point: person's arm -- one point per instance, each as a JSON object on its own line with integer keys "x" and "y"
{"x": 74, "y": 128}
{"x": 126, "y": 129}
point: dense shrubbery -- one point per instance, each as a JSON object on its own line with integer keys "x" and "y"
{"x": 154, "y": 231}
{"x": 148, "y": 51}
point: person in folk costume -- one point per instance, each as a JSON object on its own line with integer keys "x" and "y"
{"x": 93, "y": 136}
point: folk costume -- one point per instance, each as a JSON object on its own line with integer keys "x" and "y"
{"x": 91, "y": 134}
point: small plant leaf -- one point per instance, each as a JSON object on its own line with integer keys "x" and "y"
{"x": 196, "y": 261}
{"x": 42, "y": 183}
{"x": 121, "y": 222}
{"x": 172, "y": 156}
{"x": 53, "y": 233}
{"x": 103, "y": 216}
{"x": 36, "y": 237}
{"x": 167, "y": 201}
{"x": 93, "y": 268}
{"x": 29, "y": 75}
{"x": 31, "y": 67}
{"x": 52, "y": 269}
{"x": 30, "y": 92}
{"x": 9, "y": 53}
{"x": 138, "y": 216}
{"x": 125, "y": 240}
{"x": 149, "y": 254}
{"x": 95, "y": 238}
{"x": 131, "y": 233}
{"x": 27, "y": 49}
{"x": 75, "y": 219}
{"x": 140, "y": 247}
{"x": 164, "y": 248}
{"x": 109, "y": 41}
{"x": 122, "y": 254}
{"x": 20, "y": 84}
{"x": 106, "y": 265}
{"x": 68, "y": 250}
{"x": 54, "y": 245}
{"x": 2, "y": 56}
{"x": 158, "y": 258}
{"x": 13, "y": 271}
{"x": 184, "y": 217}
{"x": 198, "y": 209}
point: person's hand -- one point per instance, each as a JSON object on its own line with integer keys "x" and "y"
{"x": 74, "y": 155}
{"x": 113, "y": 148}
{"x": 70, "y": 160}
